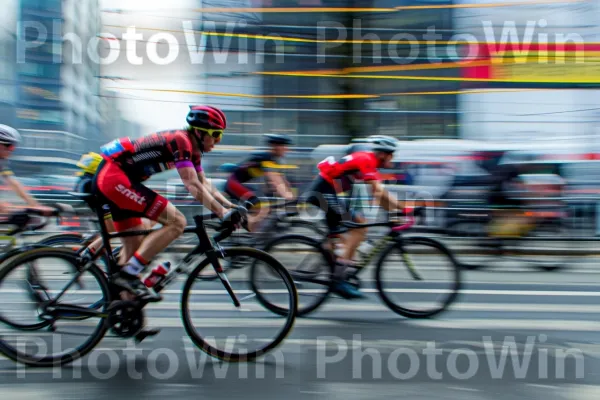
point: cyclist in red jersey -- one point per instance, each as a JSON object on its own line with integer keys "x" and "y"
{"x": 334, "y": 177}
{"x": 128, "y": 162}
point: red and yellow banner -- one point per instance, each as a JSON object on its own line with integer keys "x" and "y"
{"x": 535, "y": 63}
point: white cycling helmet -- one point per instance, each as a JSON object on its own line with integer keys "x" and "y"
{"x": 9, "y": 135}
{"x": 386, "y": 144}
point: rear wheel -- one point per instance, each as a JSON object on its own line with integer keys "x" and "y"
{"x": 310, "y": 266}
{"x": 23, "y": 299}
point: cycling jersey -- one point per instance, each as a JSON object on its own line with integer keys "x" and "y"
{"x": 335, "y": 177}
{"x": 141, "y": 158}
{"x": 256, "y": 166}
{"x": 361, "y": 165}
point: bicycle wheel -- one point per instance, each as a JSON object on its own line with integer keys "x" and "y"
{"x": 23, "y": 299}
{"x": 207, "y": 309}
{"x": 419, "y": 269}
{"x": 63, "y": 240}
{"x": 309, "y": 264}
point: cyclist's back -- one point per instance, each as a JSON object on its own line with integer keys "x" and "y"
{"x": 359, "y": 166}
{"x": 141, "y": 158}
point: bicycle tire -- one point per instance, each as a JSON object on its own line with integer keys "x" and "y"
{"x": 233, "y": 356}
{"x": 423, "y": 241}
{"x": 62, "y": 239}
{"x": 300, "y": 239}
{"x": 95, "y": 337}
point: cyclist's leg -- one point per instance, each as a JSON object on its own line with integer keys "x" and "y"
{"x": 173, "y": 224}
{"x": 129, "y": 202}
{"x": 356, "y": 236}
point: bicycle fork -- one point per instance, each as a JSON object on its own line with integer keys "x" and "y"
{"x": 212, "y": 257}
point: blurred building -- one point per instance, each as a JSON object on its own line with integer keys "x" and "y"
{"x": 229, "y": 65}
{"x": 8, "y": 24}
{"x": 56, "y": 83}
{"x": 374, "y": 98}
{"x": 38, "y": 72}
{"x": 333, "y": 109}
{"x": 81, "y": 84}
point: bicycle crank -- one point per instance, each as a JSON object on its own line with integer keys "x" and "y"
{"x": 125, "y": 318}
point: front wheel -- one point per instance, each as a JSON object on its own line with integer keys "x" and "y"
{"x": 418, "y": 277}
{"x": 247, "y": 331}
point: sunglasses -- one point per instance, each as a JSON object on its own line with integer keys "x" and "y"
{"x": 214, "y": 133}
{"x": 9, "y": 146}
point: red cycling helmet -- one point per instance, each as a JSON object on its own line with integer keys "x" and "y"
{"x": 206, "y": 117}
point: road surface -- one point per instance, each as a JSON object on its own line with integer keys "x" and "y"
{"x": 513, "y": 333}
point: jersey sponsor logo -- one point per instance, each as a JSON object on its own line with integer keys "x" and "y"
{"x": 130, "y": 194}
{"x": 146, "y": 156}
{"x": 155, "y": 208}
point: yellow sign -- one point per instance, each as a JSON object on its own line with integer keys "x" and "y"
{"x": 588, "y": 72}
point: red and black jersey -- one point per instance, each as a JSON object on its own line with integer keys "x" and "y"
{"x": 361, "y": 165}
{"x": 141, "y": 158}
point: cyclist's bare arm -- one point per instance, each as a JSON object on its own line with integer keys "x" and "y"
{"x": 190, "y": 179}
{"x": 280, "y": 184}
{"x": 385, "y": 198}
{"x": 20, "y": 190}
{"x": 214, "y": 191}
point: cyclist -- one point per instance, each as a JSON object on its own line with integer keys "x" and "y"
{"x": 260, "y": 164}
{"x": 333, "y": 175}
{"x": 127, "y": 163}
{"x": 9, "y": 139}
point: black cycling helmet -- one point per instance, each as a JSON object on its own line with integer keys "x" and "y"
{"x": 273, "y": 138}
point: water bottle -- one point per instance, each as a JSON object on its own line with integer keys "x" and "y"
{"x": 158, "y": 274}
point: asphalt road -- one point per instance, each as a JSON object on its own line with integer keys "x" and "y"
{"x": 513, "y": 333}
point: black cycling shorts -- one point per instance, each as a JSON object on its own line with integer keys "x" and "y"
{"x": 324, "y": 196}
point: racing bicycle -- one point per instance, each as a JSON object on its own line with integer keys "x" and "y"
{"x": 76, "y": 310}
{"x": 416, "y": 277}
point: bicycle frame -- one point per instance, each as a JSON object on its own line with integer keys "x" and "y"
{"x": 393, "y": 234}
{"x": 205, "y": 246}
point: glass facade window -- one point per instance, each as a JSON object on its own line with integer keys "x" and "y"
{"x": 399, "y": 106}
